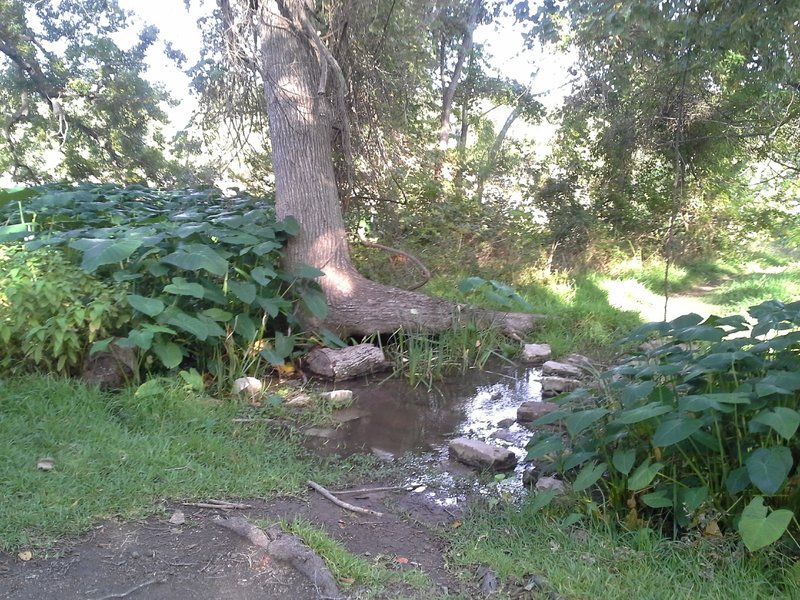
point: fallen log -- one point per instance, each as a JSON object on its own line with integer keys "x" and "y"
{"x": 346, "y": 363}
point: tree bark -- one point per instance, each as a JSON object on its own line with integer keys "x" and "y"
{"x": 491, "y": 158}
{"x": 305, "y": 187}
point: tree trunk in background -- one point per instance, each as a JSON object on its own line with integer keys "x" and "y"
{"x": 491, "y": 157}
{"x": 305, "y": 187}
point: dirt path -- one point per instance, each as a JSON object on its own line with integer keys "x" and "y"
{"x": 199, "y": 560}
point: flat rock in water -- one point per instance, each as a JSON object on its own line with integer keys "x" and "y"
{"x": 535, "y": 353}
{"x": 531, "y": 410}
{"x": 503, "y": 434}
{"x": 482, "y": 455}
{"x": 552, "y": 367}
{"x": 552, "y": 386}
{"x": 579, "y": 360}
{"x": 506, "y": 423}
{"x": 345, "y": 415}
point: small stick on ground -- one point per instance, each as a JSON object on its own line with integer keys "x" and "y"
{"x": 345, "y": 505}
{"x": 286, "y": 547}
{"x": 131, "y": 590}
{"x": 223, "y": 504}
{"x": 391, "y": 488}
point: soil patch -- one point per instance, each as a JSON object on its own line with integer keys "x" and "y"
{"x": 199, "y": 560}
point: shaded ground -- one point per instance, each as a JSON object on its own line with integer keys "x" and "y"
{"x": 201, "y": 561}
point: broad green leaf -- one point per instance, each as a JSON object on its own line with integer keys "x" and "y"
{"x": 284, "y": 344}
{"x": 685, "y": 321}
{"x": 213, "y": 328}
{"x": 782, "y": 419}
{"x": 194, "y": 257}
{"x": 659, "y": 499}
{"x": 642, "y": 413}
{"x": 151, "y": 387}
{"x": 576, "y": 459}
{"x": 246, "y": 292}
{"x": 289, "y": 225}
{"x": 99, "y": 252}
{"x": 315, "y": 303}
{"x": 780, "y": 383}
{"x": 272, "y": 305}
{"x": 148, "y": 306}
{"x": 169, "y": 353}
{"x": 737, "y": 480}
{"x": 330, "y": 339}
{"x": 193, "y": 325}
{"x": 675, "y": 430}
{"x": 272, "y": 357}
{"x": 100, "y": 345}
{"x": 9, "y": 233}
{"x": 265, "y": 248}
{"x": 623, "y": 460}
{"x": 305, "y": 271}
{"x": 768, "y": 468}
{"x": 142, "y": 338}
{"x": 588, "y": 476}
{"x": 542, "y": 499}
{"x": 551, "y": 417}
{"x": 644, "y": 475}
{"x": 245, "y": 327}
{"x": 181, "y": 287}
{"x": 758, "y": 529}
{"x": 549, "y": 445}
{"x": 217, "y": 314}
{"x": 580, "y": 420}
{"x": 263, "y": 275}
{"x": 634, "y": 392}
{"x": 701, "y": 333}
{"x": 692, "y": 498}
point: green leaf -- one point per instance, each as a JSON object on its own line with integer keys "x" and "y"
{"x": 169, "y": 353}
{"x": 758, "y": 529}
{"x": 642, "y": 413}
{"x": 304, "y": 271}
{"x": 778, "y": 383}
{"x": 289, "y": 225}
{"x": 194, "y": 257}
{"x": 181, "y": 287}
{"x": 701, "y": 333}
{"x": 580, "y": 420}
{"x": 284, "y": 344}
{"x": 330, "y": 339}
{"x": 737, "y": 480}
{"x": 588, "y": 476}
{"x": 272, "y": 305}
{"x": 576, "y": 459}
{"x": 542, "y": 499}
{"x": 142, "y": 338}
{"x": 782, "y": 419}
{"x": 272, "y": 357}
{"x": 263, "y": 275}
{"x": 190, "y": 324}
{"x": 623, "y": 460}
{"x": 659, "y": 499}
{"x": 246, "y": 292}
{"x": 217, "y": 314}
{"x": 692, "y": 498}
{"x": 315, "y": 303}
{"x": 633, "y": 392}
{"x": 768, "y": 468}
{"x": 148, "y": 306}
{"x": 644, "y": 475}
{"x": 549, "y": 445}
{"x": 99, "y": 252}
{"x": 675, "y": 430}
{"x": 245, "y": 327}
{"x": 9, "y": 233}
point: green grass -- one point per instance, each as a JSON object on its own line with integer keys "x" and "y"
{"x": 749, "y": 289}
{"x": 117, "y": 455}
{"x": 592, "y": 563}
{"x": 348, "y": 568}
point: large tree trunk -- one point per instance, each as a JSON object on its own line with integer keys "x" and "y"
{"x": 305, "y": 187}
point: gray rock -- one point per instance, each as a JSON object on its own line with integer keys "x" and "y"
{"x": 551, "y": 483}
{"x": 552, "y": 386}
{"x": 506, "y": 423}
{"x": 529, "y": 476}
{"x": 560, "y": 369}
{"x": 531, "y": 410}
{"x": 321, "y": 432}
{"x": 345, "y": 415}
{"x": 535, "y": 353}
{"x": 482, "y": 455}
{"x": 337, "y": 398}
{"x": 503, "y": 434}
{"x": 579, "y": 360}
{"x": 112, "y": 368}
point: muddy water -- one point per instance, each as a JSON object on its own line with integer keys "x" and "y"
{"x": 390, "y": 418}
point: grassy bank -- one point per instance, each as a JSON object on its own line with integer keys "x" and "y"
{"x": 117, "y": 455}
{"x": 529, "y": 549}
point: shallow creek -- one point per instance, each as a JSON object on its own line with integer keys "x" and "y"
{"x": 393, "y": 420}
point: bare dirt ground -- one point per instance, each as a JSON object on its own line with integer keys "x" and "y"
{"x": 200, "y": 560}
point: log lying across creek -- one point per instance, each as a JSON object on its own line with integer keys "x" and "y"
{"x": 346, "y": 363}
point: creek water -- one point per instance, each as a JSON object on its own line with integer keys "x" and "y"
{"x": 393, "y": 419}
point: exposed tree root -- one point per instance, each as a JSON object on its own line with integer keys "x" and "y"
{"x": 345, "y": 505}
{"x": 288, "y": 548}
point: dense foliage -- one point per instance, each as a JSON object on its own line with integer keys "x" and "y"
{"x": 700, "y": 427}
{"x": 195, "y": 273}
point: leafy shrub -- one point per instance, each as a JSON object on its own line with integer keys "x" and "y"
{"x": 51, "y": 311}
{"x": 701, "y": 427}
{"x": 202, "y": 270}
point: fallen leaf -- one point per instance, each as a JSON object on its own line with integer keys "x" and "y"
{"x": 401, "y": 560}
{"x": 45, "y": 464}
{"x": 178, "y": 518}
{"x": 455, "y": 524}
{"x": 25, "y": 555}
{"x": 347, "y": 580}
{"x": 712, "y": 529}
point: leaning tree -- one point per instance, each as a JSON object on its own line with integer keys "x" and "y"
{"x": 305, "y": 89}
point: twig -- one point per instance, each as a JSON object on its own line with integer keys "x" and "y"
{"x": 223, "y": 504}
{"x": 345, "y": 505}
{"x": 131, "y": 590}
{"x": 375, "y": 489}
{"x": 426, "y": 274}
